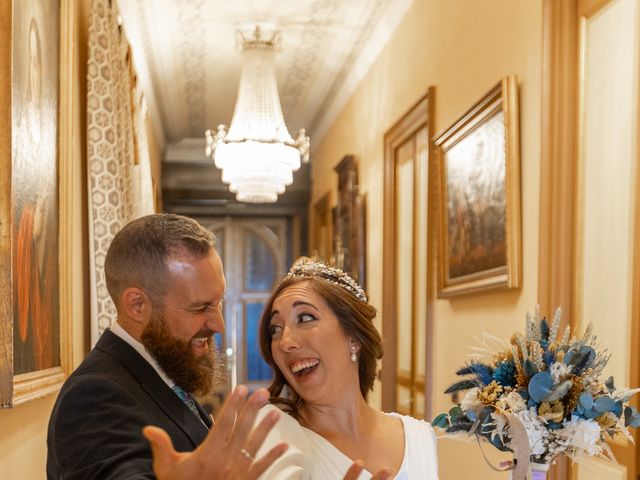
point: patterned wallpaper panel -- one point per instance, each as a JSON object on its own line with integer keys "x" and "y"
{"x": 116, "y": 174}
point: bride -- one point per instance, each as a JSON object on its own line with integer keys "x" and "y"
{"x": 317, "y": 334}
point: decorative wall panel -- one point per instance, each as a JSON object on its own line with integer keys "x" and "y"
{"x": 114, "y": 168}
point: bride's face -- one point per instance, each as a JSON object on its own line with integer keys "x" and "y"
{"x": 310, "y": 347}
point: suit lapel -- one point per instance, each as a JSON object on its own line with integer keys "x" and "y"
{"x": 159, "y": 392}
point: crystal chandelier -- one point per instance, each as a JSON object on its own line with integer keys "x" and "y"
{"x": 257, "y": 155}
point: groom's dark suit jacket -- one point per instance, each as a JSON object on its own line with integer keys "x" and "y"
{"x": 95, "y": 431}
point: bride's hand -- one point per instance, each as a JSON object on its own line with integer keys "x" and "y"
{"x": 354, "y": 472}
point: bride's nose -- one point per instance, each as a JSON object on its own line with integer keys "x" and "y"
{"x": 289, "y": 339}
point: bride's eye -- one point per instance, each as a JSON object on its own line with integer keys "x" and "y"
{"x": 275, "y": 329}
{"x": 306, "y": 317}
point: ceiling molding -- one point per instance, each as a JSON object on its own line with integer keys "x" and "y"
{"x": 193, "y": 65}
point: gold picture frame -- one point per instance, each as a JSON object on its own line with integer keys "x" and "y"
{"x": 35, "y": 314}
{"x": 478, "y": 161}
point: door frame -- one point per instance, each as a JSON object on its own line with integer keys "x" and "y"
{"x": 419, "y": 116}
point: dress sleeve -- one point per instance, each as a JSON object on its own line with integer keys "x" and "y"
{"x": 295, "y": 463}
{"x": 431, "y": 435}
{"x": 426, "y": 460}
{"x": 420, "y": 448}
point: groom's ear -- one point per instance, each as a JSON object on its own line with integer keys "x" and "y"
{"x": 136, "y": 305}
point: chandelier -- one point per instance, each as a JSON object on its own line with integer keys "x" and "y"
{"x": 257, "y": 155}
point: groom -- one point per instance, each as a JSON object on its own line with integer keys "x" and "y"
{"x": 166, "y": 281}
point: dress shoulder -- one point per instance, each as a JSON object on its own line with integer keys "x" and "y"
{"x": 420, "y": 444}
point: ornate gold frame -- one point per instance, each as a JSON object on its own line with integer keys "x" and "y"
{"x": 505, "y": 268}
{"x": 32, "y": 385}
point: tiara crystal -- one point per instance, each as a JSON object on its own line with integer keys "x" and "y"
{"x": 307, "y": 268}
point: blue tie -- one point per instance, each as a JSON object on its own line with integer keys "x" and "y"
{"x": 186, "y": 398}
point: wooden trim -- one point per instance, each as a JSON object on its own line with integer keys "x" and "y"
{"x": 405, "y": 379}
{"x": 578, "y": 206}
{"x": 415, "y": 271}
{"x": 588, "y": 8}
{"x": 390, "y": 363}
{"x": 558, "y": 156}
{"x": 6, "y": 288}
{"x": 634, "y": 372}
{"x": 511, "y": 109}
{"x": 558, "y": 163}
{"x": 431, "y": 210}
{"x": 66, "y": 164}
{"x": 414, "y": 119}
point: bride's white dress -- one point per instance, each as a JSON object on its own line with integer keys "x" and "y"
{"x": 312, "y": 457}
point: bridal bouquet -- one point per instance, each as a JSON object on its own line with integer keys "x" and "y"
{"x": 547, "y": 389}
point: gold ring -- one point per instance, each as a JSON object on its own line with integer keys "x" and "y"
{"x": 246, "y": 454}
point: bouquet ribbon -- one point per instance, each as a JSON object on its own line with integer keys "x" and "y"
{"x": 521, "y": 450}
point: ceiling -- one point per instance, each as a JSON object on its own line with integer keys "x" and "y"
{"x": 189, "y": 66}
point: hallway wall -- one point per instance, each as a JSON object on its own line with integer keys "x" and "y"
{"x": 463, "y": 48}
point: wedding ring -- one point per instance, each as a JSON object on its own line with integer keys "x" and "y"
{"x": 246, "y": 454}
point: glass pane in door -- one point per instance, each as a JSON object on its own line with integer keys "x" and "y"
{"x": 259, "y": 262}
{"x": 218, "y": 231}
{"x": 257, "y": 369}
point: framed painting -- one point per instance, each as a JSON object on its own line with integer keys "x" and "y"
{"x": 349, "y": 229}
{"x": 31, "y": 331}
{"x": 479, "y": 222}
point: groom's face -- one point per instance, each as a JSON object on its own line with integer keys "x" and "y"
{"x": 179, "y": 333}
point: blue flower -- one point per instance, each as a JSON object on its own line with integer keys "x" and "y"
{"x": 505, "y": 373}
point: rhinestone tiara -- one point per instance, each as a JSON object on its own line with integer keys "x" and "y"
{"x": 306, "y": 268}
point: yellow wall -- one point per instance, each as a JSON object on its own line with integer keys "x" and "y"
{"x": 23, "y": 429}
{"x": 462, "y": 47}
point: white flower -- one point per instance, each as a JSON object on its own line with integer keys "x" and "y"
{"x": 624, "y": 394}
{"x": 559, "y": 371}
{"x": 582, "y": 434}
{"x": 500, "y": 421}
{"x": 511, "y": 402}
{"x": 470, "y": 401}
{"x": 536, "y": 430}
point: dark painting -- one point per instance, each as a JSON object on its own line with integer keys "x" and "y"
{"x": 35, "y": 270}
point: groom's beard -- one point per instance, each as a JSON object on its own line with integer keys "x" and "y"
{"x": 197, "y": 374}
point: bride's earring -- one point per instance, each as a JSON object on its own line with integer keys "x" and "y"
{"x": 354, "y": 357}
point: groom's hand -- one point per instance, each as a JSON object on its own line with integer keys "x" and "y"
{"x": 227, "y": 451}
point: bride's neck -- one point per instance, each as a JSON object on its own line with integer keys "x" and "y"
{"x": 350, "y": 417}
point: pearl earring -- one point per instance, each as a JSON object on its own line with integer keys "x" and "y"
{"x": 354, "y": 357}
